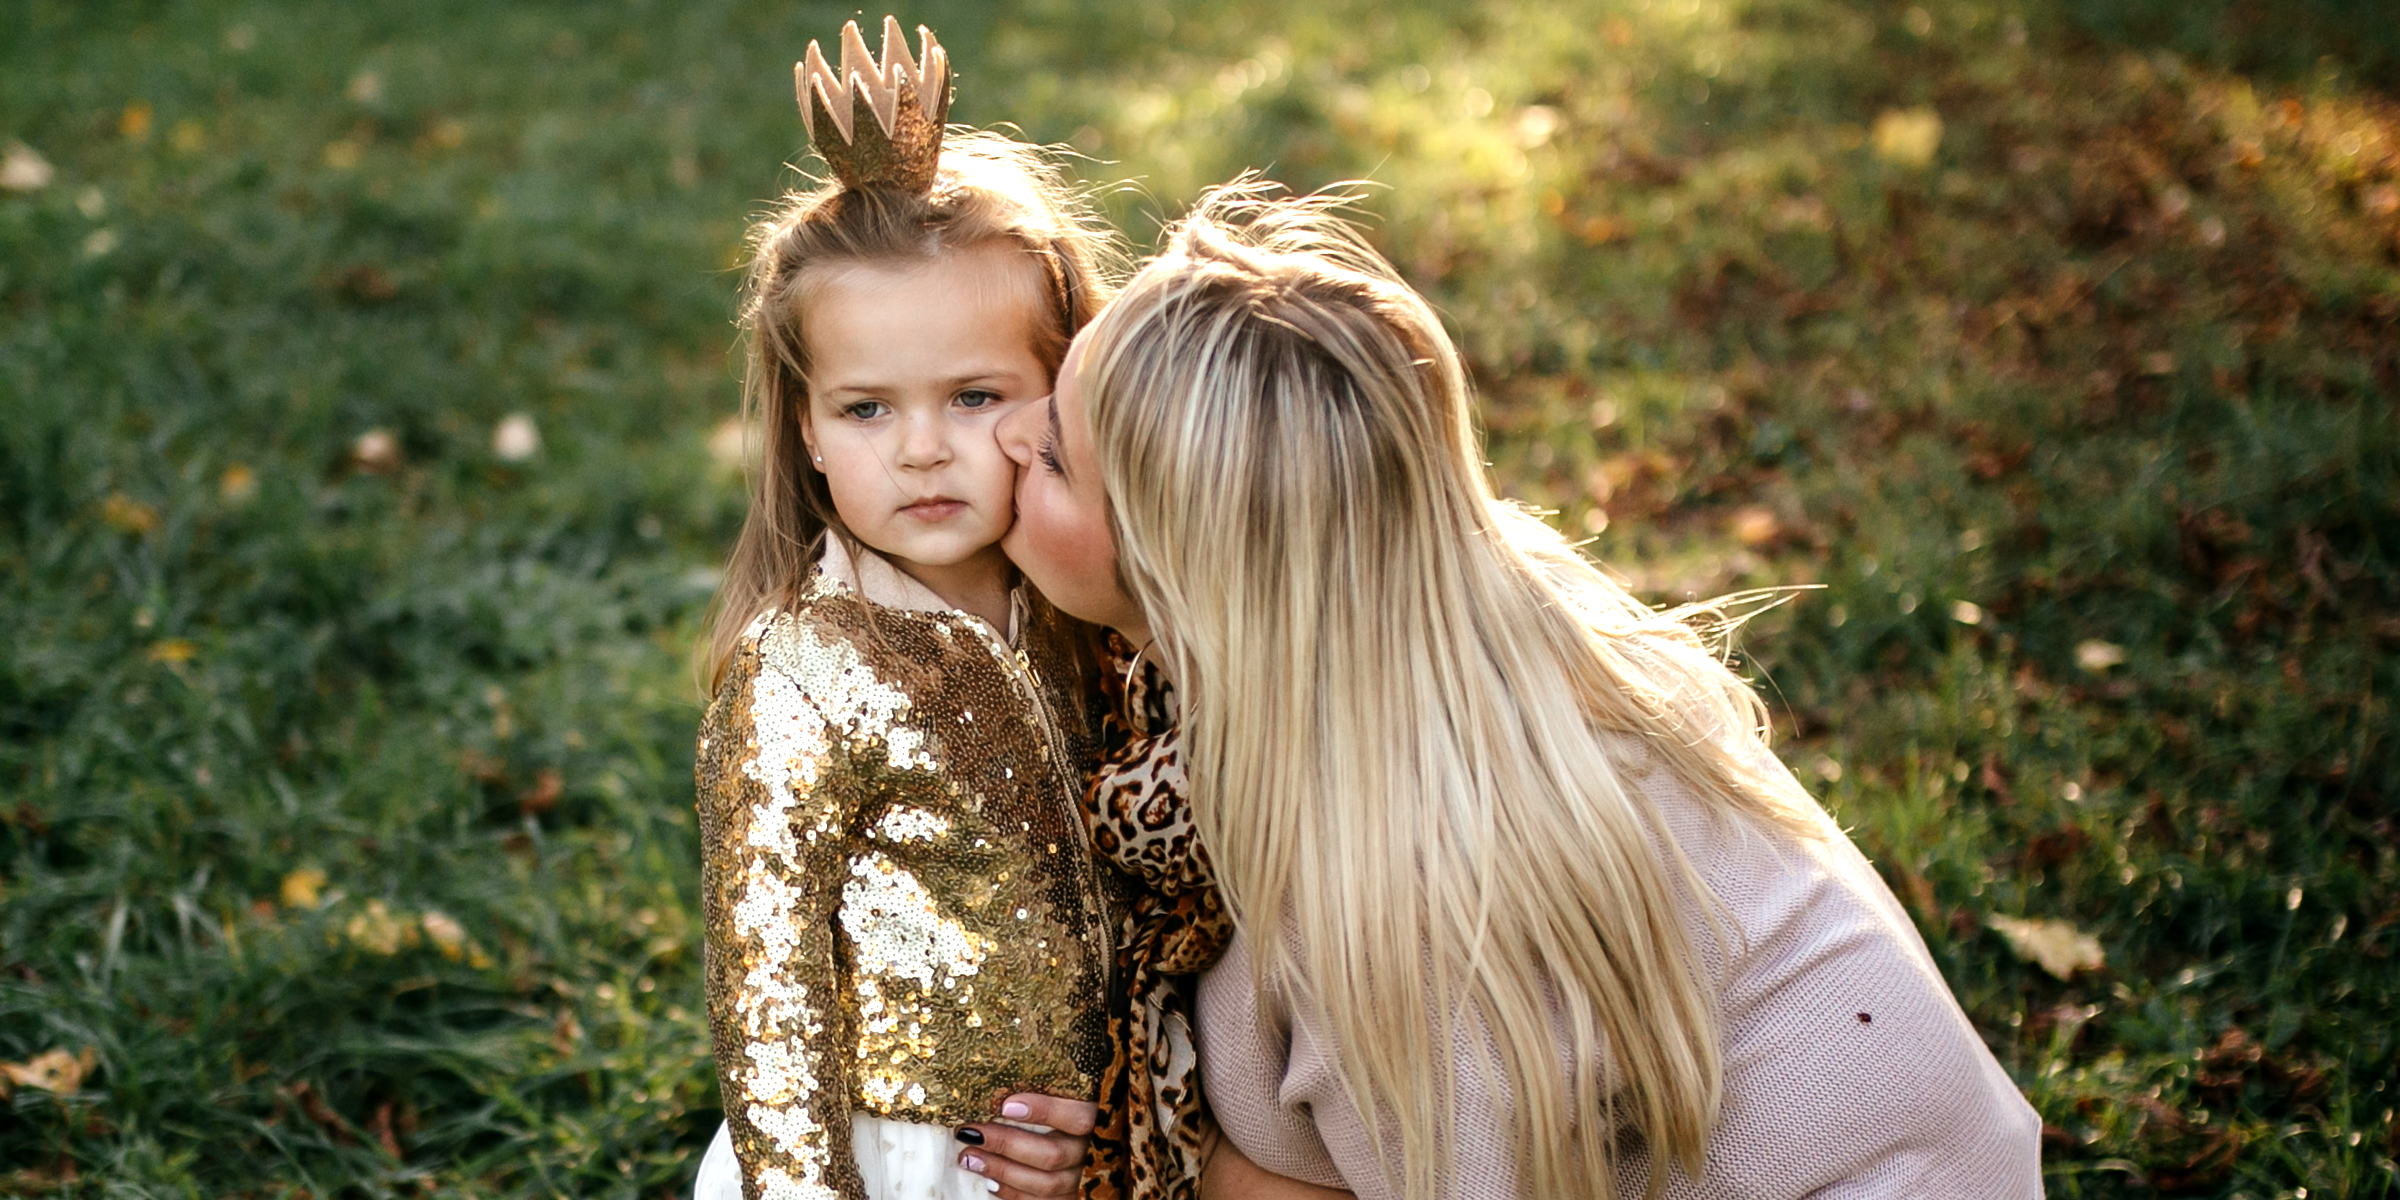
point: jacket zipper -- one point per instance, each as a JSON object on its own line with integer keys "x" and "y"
{"x": 1020, "y": 673}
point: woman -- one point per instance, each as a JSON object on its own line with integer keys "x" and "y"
{"x": 1525, "y": 907}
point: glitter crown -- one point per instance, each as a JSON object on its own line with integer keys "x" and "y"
{"x": 877, "y": 122}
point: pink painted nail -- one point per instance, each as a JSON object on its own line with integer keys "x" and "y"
{"x": 971, "y": 1163}
{"x": 1015, "y": 1111}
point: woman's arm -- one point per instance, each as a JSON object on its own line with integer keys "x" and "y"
{"x": 1230, "y": 1175}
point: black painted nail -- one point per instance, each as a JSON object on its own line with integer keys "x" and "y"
{"x": 970, "y": 1135}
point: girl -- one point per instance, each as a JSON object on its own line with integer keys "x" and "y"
{"x": 1522, "y": 905}
{"x": 905, "y": 924}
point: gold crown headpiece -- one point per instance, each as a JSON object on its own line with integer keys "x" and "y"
{"x": 887, "y": 113}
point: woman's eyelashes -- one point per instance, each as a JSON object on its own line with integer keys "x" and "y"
{"x": 1048, "y": 453}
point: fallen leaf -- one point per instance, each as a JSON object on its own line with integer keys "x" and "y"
{"x": 376, "y": 451}
{"x": 1755, "y": 525}
{"x": 303, "y": 888}
{"x": 23, "y": 169}
{"x": 377, "y": 930}
{"x": 516, "y": 438}
{"x": 2055, "y": 946}
{"x": 446, "y": 934}
{"x": 2097, "y": 656}
{"x": 1907, "y": 136}
{"x": 543, "y": 795}
{"x": 566, "y": 1033}
{"x": 128, "y": 515}
{"x": 56, "y": 1071}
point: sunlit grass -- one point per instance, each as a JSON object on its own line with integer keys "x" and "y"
{"x": 344, "y": 800}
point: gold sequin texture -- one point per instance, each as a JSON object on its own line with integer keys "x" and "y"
{"x": 904, "y": 916}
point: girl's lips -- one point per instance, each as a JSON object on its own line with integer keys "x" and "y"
{"x": 935, "y": 510}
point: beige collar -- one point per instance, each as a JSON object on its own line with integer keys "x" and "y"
{"x": 877, "y": 581}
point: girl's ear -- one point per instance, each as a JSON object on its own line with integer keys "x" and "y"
{"x": 808, "y": 439}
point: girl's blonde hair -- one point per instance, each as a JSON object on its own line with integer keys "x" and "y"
{"x": 1404, "y": 702}
{"x": 990, "y": 190}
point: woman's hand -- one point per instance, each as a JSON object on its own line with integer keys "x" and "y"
{"x": 1027, "y": 1165}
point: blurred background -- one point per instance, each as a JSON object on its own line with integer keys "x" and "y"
{"x": 366, "y": 379}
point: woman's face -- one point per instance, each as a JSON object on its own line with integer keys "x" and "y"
{"x": 1061, "y": 539}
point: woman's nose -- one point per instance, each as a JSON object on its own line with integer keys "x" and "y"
{"x": 1019, "y": 430}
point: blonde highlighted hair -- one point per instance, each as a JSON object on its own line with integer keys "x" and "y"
{"x": 990, "y": 190}
{"x": 1412, "y": 710}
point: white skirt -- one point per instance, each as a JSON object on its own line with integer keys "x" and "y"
{"x": 900, "y": 1160}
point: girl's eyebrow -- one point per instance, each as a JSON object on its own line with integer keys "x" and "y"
{"x": 979, "y": 375}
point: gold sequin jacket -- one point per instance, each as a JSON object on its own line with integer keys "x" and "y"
{"x": 904, "y": 917}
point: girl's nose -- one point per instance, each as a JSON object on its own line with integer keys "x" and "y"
{"x": 924, "y": 442}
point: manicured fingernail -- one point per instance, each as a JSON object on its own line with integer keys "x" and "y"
{"x": 1015, "y": 1111}
{"x": 970, "y": 1135}
{"x": 991, "y": 1185}
{"x": 971, "y": 1162}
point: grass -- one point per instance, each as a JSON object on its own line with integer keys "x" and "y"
{"x": 344, "y": 800}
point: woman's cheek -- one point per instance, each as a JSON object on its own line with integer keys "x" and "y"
{"x": 1068, "y": 555}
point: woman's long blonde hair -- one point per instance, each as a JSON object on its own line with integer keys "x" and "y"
{"x": 990, "y": 190}
{"x": 1404, "y": 702}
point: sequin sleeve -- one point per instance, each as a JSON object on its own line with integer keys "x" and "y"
{"x": 774, "y": 832}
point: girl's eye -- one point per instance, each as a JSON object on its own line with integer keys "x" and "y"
{"x": 864, "y": 410}
{"x": 977, "y": 398}
{"x": 1048, "y": 453}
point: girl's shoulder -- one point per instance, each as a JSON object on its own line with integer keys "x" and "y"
{"x": 788, "y": 638}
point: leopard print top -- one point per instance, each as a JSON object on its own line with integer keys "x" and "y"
{"x": 1153, "y": 1123}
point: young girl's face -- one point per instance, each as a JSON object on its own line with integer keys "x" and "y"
{"x": 911, "y": 365}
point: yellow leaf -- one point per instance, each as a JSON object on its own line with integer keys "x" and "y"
{"x": 303, "y": 888}
{"x": 56, "y": 1071}
{"x": 239, "y": 483}
{"x": 2097, "y": 656}
{"x": 377, "y": 930}
{"x": 447, "y": 935}
{"x": 173, "y": 650}
{"x": 1907, "y": 136}
{"x": 2056, "y": 946}
{"x": 1755, "y": 525}
{"x": 128, "y": 514}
